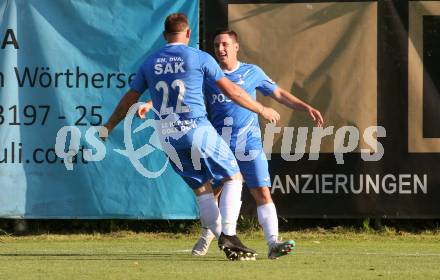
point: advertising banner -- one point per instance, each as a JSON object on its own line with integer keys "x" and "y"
{"x": 68, "y": 63}
{"x": 371, "y": 68}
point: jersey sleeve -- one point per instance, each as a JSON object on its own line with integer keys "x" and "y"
{"x": 139, "y": 83}
{"x": 265, "y": 84}
{"x": 210, "y": 67}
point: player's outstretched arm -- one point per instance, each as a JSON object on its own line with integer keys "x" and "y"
{"x": 288, "y": 99}
{"x": 121, "y": 110}
{"x": 242, "y": 98}
{"x": 144, "y": 108}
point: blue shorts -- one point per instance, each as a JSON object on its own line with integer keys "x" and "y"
{"x": 202, "y": 155}
{"x": 252, "y": 160}
{"x": 255, "y": 171}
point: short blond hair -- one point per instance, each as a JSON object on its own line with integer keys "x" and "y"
{"x": 175, "y": 23}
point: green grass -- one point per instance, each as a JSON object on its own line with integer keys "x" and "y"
{"x": 319, "y": 254}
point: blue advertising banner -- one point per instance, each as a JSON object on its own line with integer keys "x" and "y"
{"x": 68, "y": 63}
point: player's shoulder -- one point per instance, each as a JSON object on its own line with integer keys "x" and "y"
{"x": 202, "y": 56}
{"x": 194, "y": 51}
{"x": 244, "y": 66}
{"x": 254, "y": 70}
{"x": 248, "y": 68}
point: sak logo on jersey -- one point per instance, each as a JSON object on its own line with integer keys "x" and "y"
{"x": 169, "y": 65}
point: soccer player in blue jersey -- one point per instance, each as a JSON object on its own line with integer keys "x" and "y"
{"x": 245, "y": 137}
{"x": 174, "y": 76}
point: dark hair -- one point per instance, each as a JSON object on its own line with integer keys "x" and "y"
{"x": 230, "y": 32}
{"x": 176, "y": 22}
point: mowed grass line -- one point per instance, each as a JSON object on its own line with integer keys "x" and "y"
{"x": 164, "y": 256}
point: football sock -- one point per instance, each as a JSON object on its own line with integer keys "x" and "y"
{"x": 230, "y": 204}
{"x": 267, "y": 217}
{"x": 209, "y": 213}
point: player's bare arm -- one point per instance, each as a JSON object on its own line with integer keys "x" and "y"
{"x": 130, "y": 98}
{"x": 286, "y": 98}
{"x": 242, "y": 98}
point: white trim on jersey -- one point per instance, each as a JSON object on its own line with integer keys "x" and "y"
{"x": 174, "y": 44}
{"x": 233, "y": 70}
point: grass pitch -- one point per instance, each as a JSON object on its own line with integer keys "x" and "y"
{"x": 125, "y": 255}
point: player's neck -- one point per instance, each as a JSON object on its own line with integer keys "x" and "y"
{"x": 178, "y": 42}
{"x": 229, "y": 66}
{"x": 178, "y": 39}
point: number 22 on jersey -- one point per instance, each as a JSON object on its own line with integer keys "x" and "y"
{"x": 180, "y": 107}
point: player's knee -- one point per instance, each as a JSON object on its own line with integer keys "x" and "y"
{"x": 261, "y": 195}
{"x": 203, "y": 189}
{"x": 217, "y": 192}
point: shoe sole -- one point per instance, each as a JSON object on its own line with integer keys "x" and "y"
{"x": 233, "y": 255}
{"x": 198, "y": 254}
{"x": 238, "y": 249}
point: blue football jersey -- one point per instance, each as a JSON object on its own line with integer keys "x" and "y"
{"x": 174, "y": 76}
{"x": 248, "y": 76}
